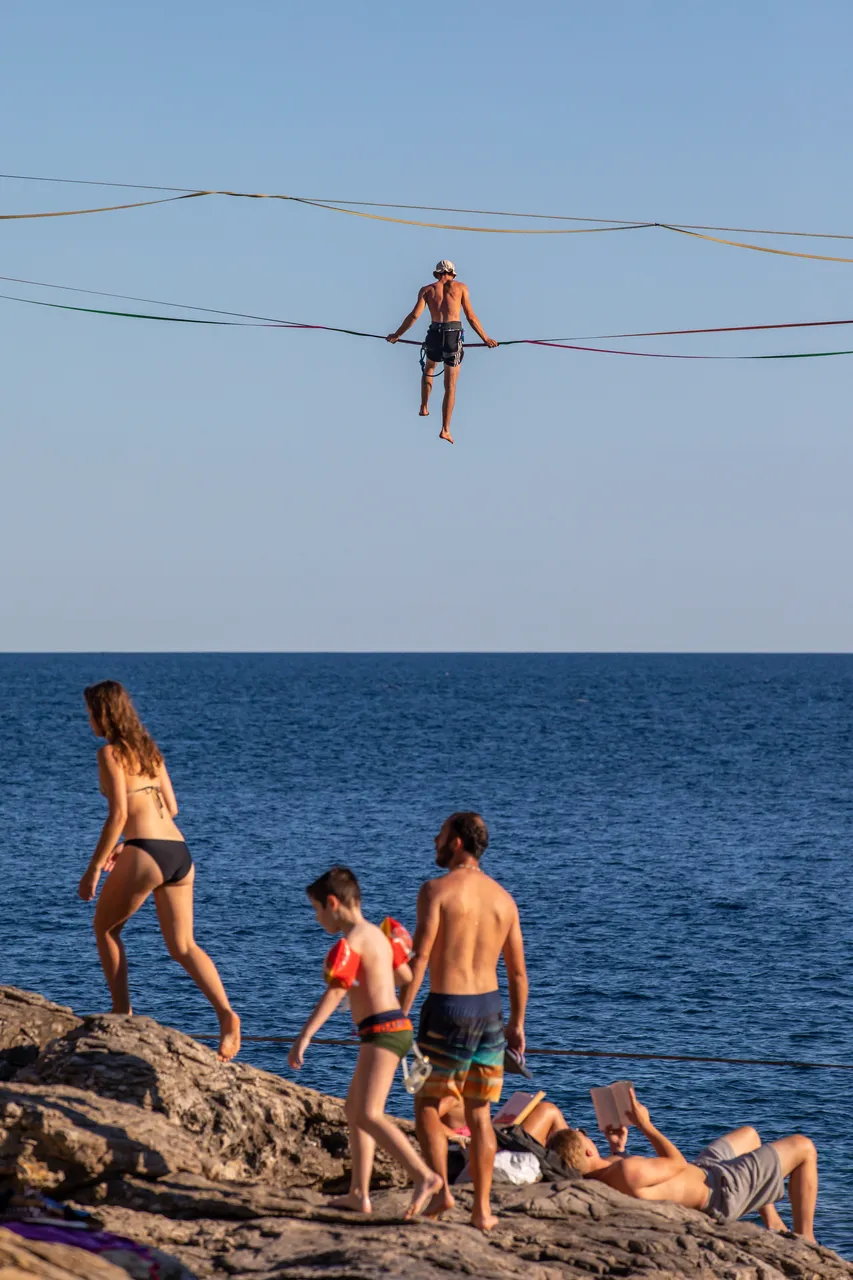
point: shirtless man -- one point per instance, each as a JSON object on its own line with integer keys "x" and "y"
{"x": 733, "y": 1176}
{"x": 445, "y": 299}
{"x": 466, "y": 921}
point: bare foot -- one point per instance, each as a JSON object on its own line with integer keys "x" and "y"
{"x": 229, "y": 1036}
{"x": 483, "y": 1222}
{"x": 423, "y": 412}
{"x": 807, "y": 1236}
{"x": 352, "y": 1200}
{"x": 444, "y": 434}
{"x": 440, "y": 1203}
{"x": 428, "y": 1189}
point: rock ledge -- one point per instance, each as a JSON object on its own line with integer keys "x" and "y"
{"x": 225, "y": 1170}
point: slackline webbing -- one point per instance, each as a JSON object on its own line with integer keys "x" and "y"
{"x": 430, "y": 208}
{"x": 413, "y": 342}
{"x": 107, "y": 208}
{"x": 353, "y": 1042}
{"x": 614, "y": 224}
{"x": 588, "y": 337}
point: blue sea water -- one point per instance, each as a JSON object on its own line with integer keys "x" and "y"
{"x": 676, "y": 830}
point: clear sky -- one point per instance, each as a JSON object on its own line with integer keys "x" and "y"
{"x": 179, "y": 487}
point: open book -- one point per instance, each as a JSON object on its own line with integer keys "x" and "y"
{"x": 612, "y": 1103}
{"x": 518, "y": 1107}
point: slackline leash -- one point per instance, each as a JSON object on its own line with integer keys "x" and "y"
{"x": 584, "y": 1053}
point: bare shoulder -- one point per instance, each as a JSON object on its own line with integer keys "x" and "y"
{"x": 500, "y": 893}
{"x": 365, "y": 934}
{"x": 108, "y": 757}
{"x": 432, "y": 889}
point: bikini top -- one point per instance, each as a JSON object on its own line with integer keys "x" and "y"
{"x": 152, "y": 787}
{"x": 155, "y": 791}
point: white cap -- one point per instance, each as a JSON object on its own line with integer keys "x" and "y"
{"x": 444, "y": 268}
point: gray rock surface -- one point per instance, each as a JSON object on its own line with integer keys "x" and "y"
{"x": 257, "y": 1125}
{"x": 27, "y": 1023}
{"x": 226, "y": 1168}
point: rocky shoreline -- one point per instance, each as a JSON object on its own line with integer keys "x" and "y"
{"x": 224, "y": 1170}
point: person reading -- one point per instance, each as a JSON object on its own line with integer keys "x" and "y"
{"x": 364, "y": 964}
{"x": 733, "y": 1176}
{"x": 541, "y": 1121}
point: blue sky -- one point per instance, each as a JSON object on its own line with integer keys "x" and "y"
{"x": 172, "y": 487}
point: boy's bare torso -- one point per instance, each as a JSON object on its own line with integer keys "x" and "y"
{"x": 475, "y": 917}
{"x": 375, "y": 991}
{"x": 445, "y": 299}
{"x": 688, "y": 1187}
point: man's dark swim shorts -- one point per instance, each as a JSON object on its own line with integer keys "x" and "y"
{"x": 463, "y": 1038}
{"x": 444, "y": 342}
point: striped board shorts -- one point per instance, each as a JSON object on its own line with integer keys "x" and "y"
{"x": 463, "y": 1038}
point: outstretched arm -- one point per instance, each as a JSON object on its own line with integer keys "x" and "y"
{"x": 472, "y": 319}
{"x": 516, "y": 972}
{"x": 322, "y": 1011}
{"x": 429, "y": 915}
{"x": 410, "y": 318}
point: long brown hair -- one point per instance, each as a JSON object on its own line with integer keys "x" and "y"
{"x": 117, "y": 720}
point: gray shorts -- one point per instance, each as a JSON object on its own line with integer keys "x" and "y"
{"x": 740, "y": 1184}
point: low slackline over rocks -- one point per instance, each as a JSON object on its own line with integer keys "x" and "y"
{"x": 223, "y": 1169}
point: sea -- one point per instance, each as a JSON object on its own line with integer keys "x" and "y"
{"x": 676, "y": 830}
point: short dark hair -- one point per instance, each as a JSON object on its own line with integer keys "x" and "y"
{"x": 339, "y": 881}
{"x": 471, "y": 830}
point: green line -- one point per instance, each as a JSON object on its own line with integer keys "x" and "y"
{"x": 242, "y": 324}
{"x": 798, "y": 355}
{"x": 131, "y": 315}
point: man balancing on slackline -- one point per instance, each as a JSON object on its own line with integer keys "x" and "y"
{"x": 444, "y": 341}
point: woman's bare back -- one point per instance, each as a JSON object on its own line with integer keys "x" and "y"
{"x": 150, "y": 802}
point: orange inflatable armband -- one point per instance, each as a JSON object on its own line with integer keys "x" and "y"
{"x": 400, "y": 939}
{"x": 342, "y": 965}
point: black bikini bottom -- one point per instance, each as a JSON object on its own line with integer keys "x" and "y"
{"x": 172, "y": 857}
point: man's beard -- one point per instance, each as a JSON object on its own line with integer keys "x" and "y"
{"x": 442, "y": 857}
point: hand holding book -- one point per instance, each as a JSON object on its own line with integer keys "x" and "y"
{"x": 614, "y": 1105}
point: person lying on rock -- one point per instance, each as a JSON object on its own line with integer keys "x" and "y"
{"x": 365, "y": 963}
{"x": 733, "y": 1176}
{"x": 541, "y": 1123}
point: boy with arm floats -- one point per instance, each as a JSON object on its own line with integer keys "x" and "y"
{"x": 364, "y": 962}
{"x": 732, "y": 1176}
{"x": 466, "y": 922}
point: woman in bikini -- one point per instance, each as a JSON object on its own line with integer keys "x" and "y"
{"x": 152, "y": 858}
